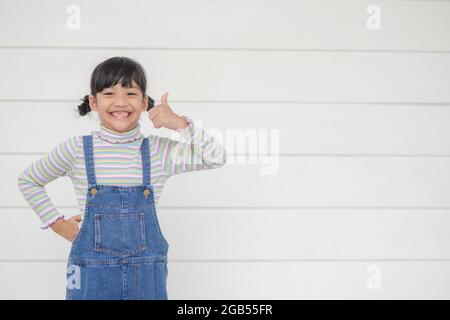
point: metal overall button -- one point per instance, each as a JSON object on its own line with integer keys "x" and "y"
{"x": 93, "y": 191}
{"x": 146, "y": 192}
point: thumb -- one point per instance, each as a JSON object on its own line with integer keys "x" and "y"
{"x": 164, "y": 99}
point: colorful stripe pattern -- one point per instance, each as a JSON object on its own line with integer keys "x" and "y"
{"x": 117, "y": 162}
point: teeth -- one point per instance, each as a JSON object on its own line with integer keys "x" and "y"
{"x": 120, "y": 115}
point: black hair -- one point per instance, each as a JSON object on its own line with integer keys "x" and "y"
{"x": 112, "y": 71}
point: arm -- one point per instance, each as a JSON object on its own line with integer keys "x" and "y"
{"x": 58, "y": 162}
{"x": 198, "y": 151}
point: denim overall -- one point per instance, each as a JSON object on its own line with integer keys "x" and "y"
{"x": 120, "y": 252}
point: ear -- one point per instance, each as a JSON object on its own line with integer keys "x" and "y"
{"x": 144, "y": 103}
{"x": 92, "y": 103}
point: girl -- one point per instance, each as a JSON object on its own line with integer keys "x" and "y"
{"x": 119, "y": 252}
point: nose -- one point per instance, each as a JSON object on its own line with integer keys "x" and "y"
{"x": 120, "y": 99}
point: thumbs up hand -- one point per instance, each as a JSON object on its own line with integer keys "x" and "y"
{"x": 161, "y": 115}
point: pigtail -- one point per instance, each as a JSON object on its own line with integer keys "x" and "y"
{"x": 151, "y": 103}
{"x": 84, "y": 107}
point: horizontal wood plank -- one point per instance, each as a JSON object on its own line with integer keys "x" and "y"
{"x": 262, "y": 234}
{"x": 280, "y": 24}
{"x": 260, "y": 280}
{"x": 297, "y": 129}
{"x": 279, "y": 182}
{"x": 239, "y": 76}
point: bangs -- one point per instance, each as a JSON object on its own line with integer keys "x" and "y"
{"x": 118, "y": 70}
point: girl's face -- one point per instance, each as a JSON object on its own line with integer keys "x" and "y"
{"x": 119, "y": 108}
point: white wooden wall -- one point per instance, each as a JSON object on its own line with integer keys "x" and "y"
{"x": 360, "y": 205}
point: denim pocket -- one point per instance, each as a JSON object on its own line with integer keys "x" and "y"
{"x": 119, "y": 234}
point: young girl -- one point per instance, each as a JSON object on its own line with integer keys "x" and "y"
{"x": 118, "y": 174}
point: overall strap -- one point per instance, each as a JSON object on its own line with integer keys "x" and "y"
{"x": 146, "y": 163}
{"x": 89, "y": 159}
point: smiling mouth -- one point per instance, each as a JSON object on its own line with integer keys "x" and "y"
{"x": 120, "y": 115}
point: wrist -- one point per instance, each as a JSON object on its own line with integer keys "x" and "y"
{"x": 57, "y": 224}
{"x": 183, "y": 122}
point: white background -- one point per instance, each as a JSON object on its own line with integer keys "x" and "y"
{"x": 360, "y": 205}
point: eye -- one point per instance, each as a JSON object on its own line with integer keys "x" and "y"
{"x": 108, "y": 93}
{"x": 132, "y": 93}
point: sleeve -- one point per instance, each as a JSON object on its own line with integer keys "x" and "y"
{"x": 57, "y": 163}
{"x": 198, "y": 151}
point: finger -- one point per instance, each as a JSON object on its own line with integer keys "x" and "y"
{"x": 164, "y": 99}
{"x": 76, "y": 218}
{"x": 156, "y": 124}
{"x": 157, "y": 107}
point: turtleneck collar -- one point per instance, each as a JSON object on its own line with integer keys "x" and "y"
{"x": 112, "y": 136}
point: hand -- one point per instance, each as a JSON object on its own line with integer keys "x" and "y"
{"x": 162, "y": 115}
{"x": 68, "y": 229}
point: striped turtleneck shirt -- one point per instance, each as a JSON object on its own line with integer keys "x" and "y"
{"x": 117, "y": 160}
